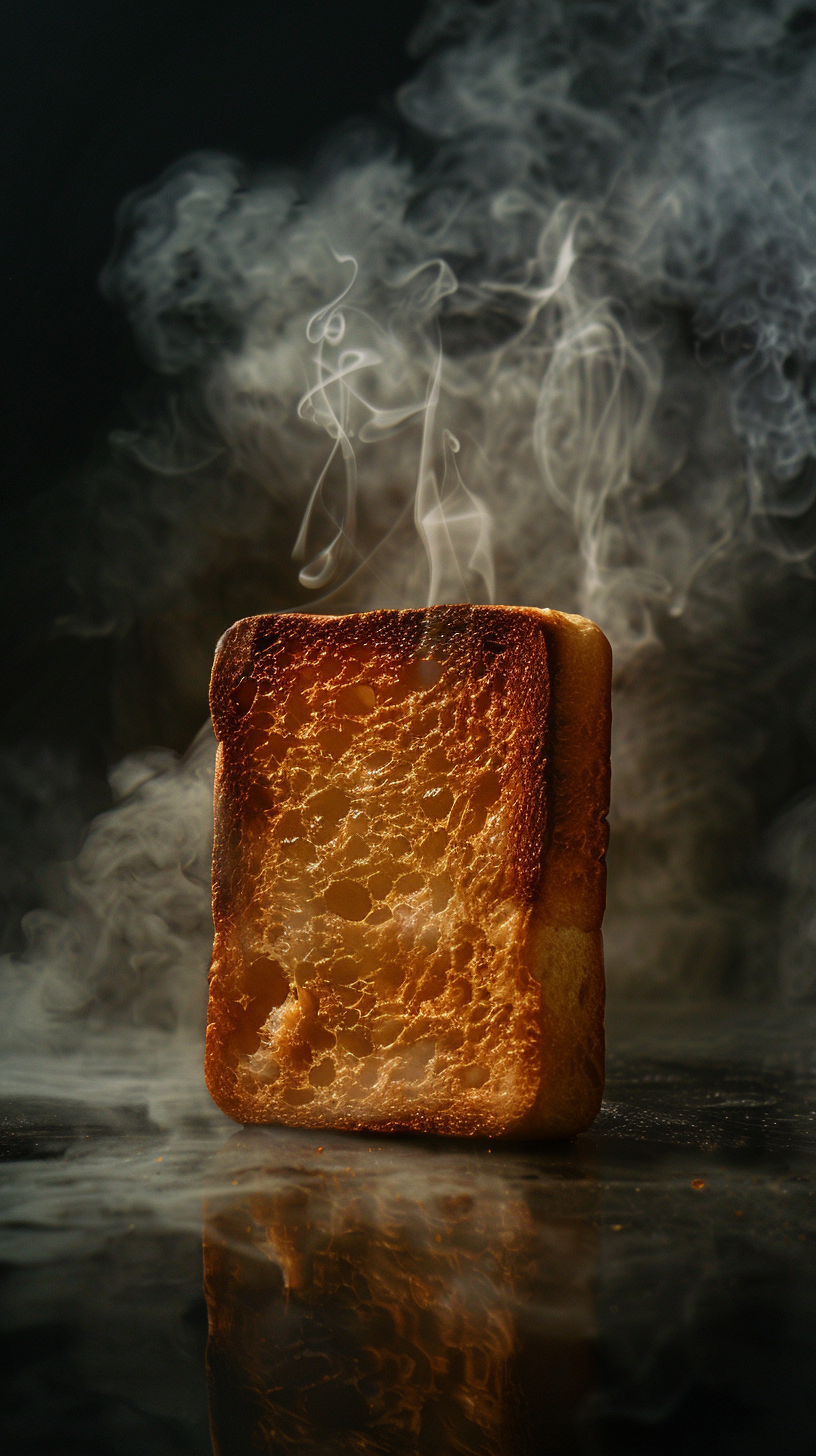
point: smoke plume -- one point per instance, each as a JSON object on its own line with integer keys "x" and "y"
{"x": 553, "y": 341}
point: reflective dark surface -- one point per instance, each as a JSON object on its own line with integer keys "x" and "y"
{"x": 650, "y": 1288}
{"x": 397, "y": 1298}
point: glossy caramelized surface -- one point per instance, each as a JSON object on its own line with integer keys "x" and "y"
{"x": 383, "y": 820}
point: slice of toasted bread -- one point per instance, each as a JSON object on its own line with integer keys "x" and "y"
{"x": 408, "y": 876}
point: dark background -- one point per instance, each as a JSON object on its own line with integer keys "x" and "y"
{"x": 97, "y": 100}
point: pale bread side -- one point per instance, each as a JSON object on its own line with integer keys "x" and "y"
{"x": 568, "y": 944}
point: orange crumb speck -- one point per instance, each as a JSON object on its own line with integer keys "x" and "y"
{"x": 320, "y": 1150}
{"x": 697, "y": 1183}
{"x": 616, "y": 1228}
{"x": 738, "y": 1213}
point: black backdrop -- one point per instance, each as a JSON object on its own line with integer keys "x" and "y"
{"x": 97, "y": 100}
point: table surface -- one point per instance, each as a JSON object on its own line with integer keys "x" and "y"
{"x": 648, "y": 1288}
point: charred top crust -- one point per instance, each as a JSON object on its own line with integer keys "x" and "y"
{"x": 501, "y": 648}
{"x": 264, "y": 647}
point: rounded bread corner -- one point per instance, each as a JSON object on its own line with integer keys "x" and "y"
{"x": 573, "y": 1116}
{"x": 233, "y": 655}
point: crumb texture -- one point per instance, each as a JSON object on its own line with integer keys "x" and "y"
{"x": 381, "y": 831}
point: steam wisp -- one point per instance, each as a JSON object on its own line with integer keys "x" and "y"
{"x": 453, "y": 524}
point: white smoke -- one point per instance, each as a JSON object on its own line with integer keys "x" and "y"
{"x": 570, "y": 357}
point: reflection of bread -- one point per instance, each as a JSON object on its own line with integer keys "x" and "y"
{"x": 408, "y": 878}
{"x": 392, "y": 1299}
{"x": 374, "y": 1327}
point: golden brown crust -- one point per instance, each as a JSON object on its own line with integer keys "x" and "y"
{"x": 390, "y": 898}
{"x": 568, "y": 946}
